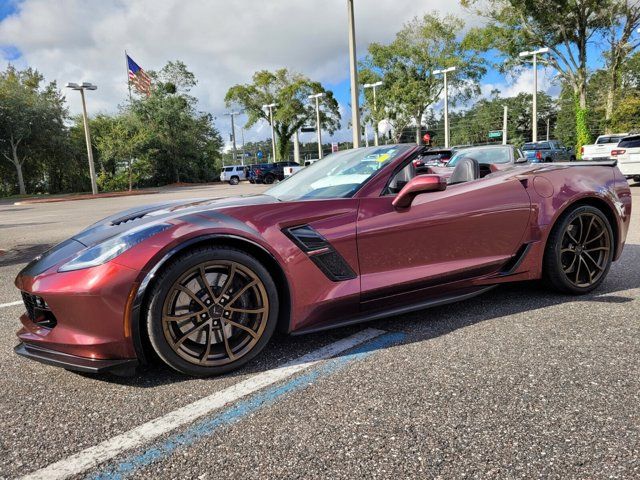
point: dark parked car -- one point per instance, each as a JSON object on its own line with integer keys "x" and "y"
{"x": 433, "y": 158}
{"x": 357, "y": 236}
{"x": 250, "y": 171}
{"x": 268, "y": 172}
{"x": 548, "y": 151}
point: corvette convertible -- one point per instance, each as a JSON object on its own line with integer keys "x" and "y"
{"x": 202, "y": 285}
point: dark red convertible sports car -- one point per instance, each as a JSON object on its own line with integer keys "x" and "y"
{"x": 203, "y": 284}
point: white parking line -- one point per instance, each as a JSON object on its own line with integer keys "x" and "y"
{"x": 93, "y": 456}
{"x": 10, "y": 304}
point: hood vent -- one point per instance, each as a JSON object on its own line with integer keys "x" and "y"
{"x": 127, "y": 218}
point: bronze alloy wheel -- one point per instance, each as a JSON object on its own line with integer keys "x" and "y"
{"x": 585, "y": 249}
{"x": 215, "y": 313}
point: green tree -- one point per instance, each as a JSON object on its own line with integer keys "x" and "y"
{"x": 181, "y": 143}
{"x": 473, "y": 125}
{"x": 625, "y": 20}
{"x": 31, "y": 119}
{"x": 565, "y": 26}
{"x": 406, "y": 65}
{"x": 124, "y": 142}
{"x": 290, "y": 91}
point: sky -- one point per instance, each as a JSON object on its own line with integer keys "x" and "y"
{"x": 223, "y": 42}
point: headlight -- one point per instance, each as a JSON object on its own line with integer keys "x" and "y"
{"x": 110, "y": 249}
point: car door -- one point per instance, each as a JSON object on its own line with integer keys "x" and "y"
{"x": 468, "y": 230}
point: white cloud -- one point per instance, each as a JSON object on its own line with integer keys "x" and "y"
{"x": 523, "y": 83}
{"x": 223, "y": 42}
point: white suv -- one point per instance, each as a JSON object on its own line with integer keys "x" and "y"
{"x": 628, "y": 154}
{"x": 233, "y": 174}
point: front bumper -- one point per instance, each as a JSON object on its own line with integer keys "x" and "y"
{"x": 73, "y": 362}
{"x": 89, "y": 307}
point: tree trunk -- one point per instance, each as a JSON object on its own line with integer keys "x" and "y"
{"x": 130, "y": 175}
{"x": 283, "y": 144}
{"x": 614, "y": 78}
{"x": 23, "y": 190}
{"x": 582, "y": 95}
{"x": 583, "y": 136}
{"x": 18, "y": 165}
{"x": 418, "y": 131}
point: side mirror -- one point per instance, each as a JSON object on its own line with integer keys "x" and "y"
{"x": 416, "y": 186}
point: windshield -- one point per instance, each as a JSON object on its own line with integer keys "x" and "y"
{"x": 483, "y": 155}
{"x": 605, "y": 140}
{"x": 338, "y": 175}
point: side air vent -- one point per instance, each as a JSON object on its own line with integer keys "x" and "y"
{"x": 321, "y": 252}
{"x": 515, "y": 261}
{"x": 307, "y": 238}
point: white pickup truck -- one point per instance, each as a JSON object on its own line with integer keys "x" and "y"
{"x": 288, "y": 171}
{"x": 601, "y": 150}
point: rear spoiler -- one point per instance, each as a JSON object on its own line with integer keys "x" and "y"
{"x": 603, "y": 163}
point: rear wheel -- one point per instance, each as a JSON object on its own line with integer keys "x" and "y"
{"x": 211, "y": 311}
{"x": 234, "y": 181}
{"x": 579, "y": 251}
{"x": 269, "y": 179}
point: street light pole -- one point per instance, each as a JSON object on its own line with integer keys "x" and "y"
{"x": 355, "y": 107}
{"x": 373, "y": 86}
{"x": 446, "y": 102}
{"x": 233, "y": 133}
{"x": 87, "y": 134}
{"x": 273, "y": 133}
{"x": 534, "y": 115}
{"x": 317, "y": 98}
{"x": 504, "y": 125}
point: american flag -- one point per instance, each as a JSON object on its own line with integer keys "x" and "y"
{"x": 138, "y": 77}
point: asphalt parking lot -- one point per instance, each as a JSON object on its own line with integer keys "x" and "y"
{"x": 517, "y": 383}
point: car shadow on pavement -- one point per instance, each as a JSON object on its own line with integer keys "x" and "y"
{"x": 420, "y": 326}
{"x": 22, "y": 253}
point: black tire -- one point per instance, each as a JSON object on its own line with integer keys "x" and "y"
{"x": 164, "y": 285}
{"x": 556, "y": 273}
{"x": 548, "y": 160}
{"x": 252, "y": 181}
{"x": 234, "y": 181}
{"x": 269, "y": 179}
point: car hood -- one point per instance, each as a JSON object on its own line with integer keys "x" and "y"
{"x": 132, "y": 219}
{"x": 162, "y": 212}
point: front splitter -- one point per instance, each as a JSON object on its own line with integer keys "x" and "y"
{"x": 72, "y": 362}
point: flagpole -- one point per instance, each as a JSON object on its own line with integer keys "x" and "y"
{"x": 126, "y": 62}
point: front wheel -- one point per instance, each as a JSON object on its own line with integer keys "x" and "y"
{"x": 211, "y": 311}
{"x": 234, "y": 181}
{"x": 579, "y": 251}
{"x": 269, "y": 179}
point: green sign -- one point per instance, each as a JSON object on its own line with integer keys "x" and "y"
{"x": 495, "y": 134}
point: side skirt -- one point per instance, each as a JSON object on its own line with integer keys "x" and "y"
{"x": 396, "y": 311}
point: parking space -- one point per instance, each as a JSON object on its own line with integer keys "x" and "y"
{"x": 516, "y": 383}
